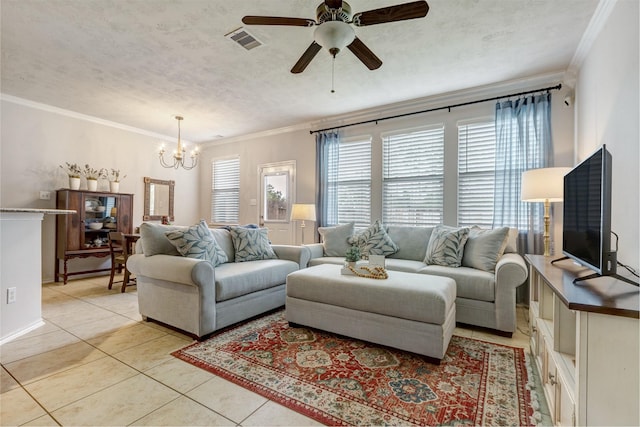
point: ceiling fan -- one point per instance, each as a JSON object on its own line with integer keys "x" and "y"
{"x": 334, "y": 31}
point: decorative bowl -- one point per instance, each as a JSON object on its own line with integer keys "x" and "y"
{"x": 95, "y": 225}
{"x": 101, "y": 209}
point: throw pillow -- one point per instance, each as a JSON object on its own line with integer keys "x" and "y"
{"x": 512, "y": 241}
{"x": 374, "y": 240}
{"x": 484, "y": 248}
{"x": 335, "y": 239}
{"x": 197, "y": 242}
{"x": 446, "y": 246}
{"x": 154, "y": 241}
{"x": 251, "y": 244}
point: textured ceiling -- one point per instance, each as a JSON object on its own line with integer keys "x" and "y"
{"x": 141, "y": 62}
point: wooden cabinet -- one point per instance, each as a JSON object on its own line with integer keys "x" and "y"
{"x": 585, "y": 343}
{"x": 85, "y": 233}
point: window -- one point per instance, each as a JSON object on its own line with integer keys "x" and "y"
{"x": 413, "y": 176}
{"x": 351, "y": 187}
{"x": 476, "y": 173}
{"x": 225, "y": 191}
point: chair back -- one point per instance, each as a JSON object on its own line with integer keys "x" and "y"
{"x": 117, "y": 245}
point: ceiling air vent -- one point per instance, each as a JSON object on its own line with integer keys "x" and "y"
{"x": 244, "y": 38}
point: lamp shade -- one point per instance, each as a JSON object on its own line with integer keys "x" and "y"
{"x": 543, "y": 184}
{"x": 303, "y": 212}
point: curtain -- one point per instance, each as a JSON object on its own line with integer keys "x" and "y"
{"x": 327, "y": 152}
{"x": 523, "y": 142}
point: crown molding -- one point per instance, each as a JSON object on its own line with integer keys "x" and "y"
{"x": 84, "y": 117}
{"x": 599, "y": 18}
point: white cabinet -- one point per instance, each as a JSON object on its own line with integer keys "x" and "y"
{"x": 585, "y": 342}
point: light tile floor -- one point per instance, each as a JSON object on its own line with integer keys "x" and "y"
{"x": 95, "y": 362}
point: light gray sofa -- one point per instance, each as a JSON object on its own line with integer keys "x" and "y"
{"x": 484, "y": 298}
{"x": 194, "y": 296}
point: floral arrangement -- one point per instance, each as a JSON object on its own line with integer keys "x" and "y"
{"x": 353, "y": 254}
{"x": 72, "y": 169}
{"x": 114, "y": 175}
{"x": 91, "y": 173}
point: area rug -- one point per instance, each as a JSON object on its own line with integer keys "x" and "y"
{"x": 342, "y": 381}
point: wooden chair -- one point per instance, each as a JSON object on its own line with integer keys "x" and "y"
{"x": 119, "y": 256}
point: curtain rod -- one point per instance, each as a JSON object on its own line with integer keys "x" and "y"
{"x": 449, "y": 107}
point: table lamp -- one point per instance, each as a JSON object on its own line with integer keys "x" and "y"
{"x": 544, "y": 185}
{"x": 303, "y": 212}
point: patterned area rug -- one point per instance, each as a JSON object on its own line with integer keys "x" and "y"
{"x": 341, "y": 381}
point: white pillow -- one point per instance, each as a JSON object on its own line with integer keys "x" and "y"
{"x": 335, "y": 239}
{"x": 484, "y": 248}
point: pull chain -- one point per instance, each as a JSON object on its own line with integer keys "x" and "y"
{"x": 333, "y": 69}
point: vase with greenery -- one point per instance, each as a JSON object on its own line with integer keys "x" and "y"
{"x": 114, "y": 180}
{"x": 74, "y": 172}
{"x": 92, "y": 176}
{"x": 352, "y": 256}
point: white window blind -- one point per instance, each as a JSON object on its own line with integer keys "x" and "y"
{"x": 225, "y": 191}
{"x": 476, "y": 173}
{"x": 352, "y": 185}
{"x": 413, "y": 176}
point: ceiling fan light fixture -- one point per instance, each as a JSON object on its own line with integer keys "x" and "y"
{"x": 334, "y": 36}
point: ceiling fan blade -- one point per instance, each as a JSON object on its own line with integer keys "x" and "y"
{"x": 401, "y": 12}
{"x": 333, "y": 4}
{"x": 364, "y": 54}
{"x": 276, "y": 20}
{"x": 306, "y": 58}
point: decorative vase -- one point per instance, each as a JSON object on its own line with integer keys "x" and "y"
{"x": 74, "y": 183}
{"x": 92, "y": 184}
{"x": 114, "y": 186}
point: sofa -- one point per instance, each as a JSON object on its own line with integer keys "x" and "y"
{"x": 484, "y": 263}
{"x": 199, "y": 280}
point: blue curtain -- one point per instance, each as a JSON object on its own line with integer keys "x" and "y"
{"x": 327, "y": 151}
{"x": 523, "y": 142}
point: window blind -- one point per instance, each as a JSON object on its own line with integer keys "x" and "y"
{"x": 476, "y": 173}
{"x": 413, "y": 176}
{"x": 352, "y": 186}
{"x": 225, "y": 191}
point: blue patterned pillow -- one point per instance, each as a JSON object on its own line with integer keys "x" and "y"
{"x": 197, "y": 242}
{"x": 374, "y": 241}
{"x": 446, "y": 246}
{"x": 251, "y": 244}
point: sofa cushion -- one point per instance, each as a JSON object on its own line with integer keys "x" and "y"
{"x": 154, "y": 241}
{"x": 446, "y": 246}
{"x": 337, "y": 260}
{"x": 197, "y": 242}
{"x": 251, "y": 244}
{"x": 412, "y": 241}
{"x": 374, "y": 240}
{"x": 223, "y": 237}
{"x": 407, "y": 265}
{"x": 335, "y": 239}
{"x": 470, "y": 282}
{"x": 242, "y": 278}
{"x": 484, "y": 247}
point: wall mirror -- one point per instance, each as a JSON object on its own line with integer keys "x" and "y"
{"x": 158, "y": 199}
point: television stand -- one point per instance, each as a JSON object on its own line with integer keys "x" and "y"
{"x": 596, "y": 275}
{"x": 559, "y": 259}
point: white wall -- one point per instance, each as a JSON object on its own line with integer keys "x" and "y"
{"x": 607, "y": 112}
{"x": 35, "y": 141}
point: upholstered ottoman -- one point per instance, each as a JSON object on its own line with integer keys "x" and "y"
{"x": 413, "y": 312}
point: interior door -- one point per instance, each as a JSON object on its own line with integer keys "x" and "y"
{"x": 277, "y": 190}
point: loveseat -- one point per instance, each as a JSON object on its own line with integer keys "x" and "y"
{"x": 487, "y": 273}
{"x": 199, "y": 280}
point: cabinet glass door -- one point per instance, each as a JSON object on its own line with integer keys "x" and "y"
{"x": 100, "y": 217}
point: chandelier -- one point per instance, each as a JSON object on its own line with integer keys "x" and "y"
{"x": 180, "y": 154}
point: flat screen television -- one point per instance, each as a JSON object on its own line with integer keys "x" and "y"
{"x": 586, "y": 231}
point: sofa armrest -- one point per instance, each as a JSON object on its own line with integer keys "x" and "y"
{"x": 511, "y": 271}
{"x": 297, "y": 254}
{"x": 316, "y": 249}
{"x": 171, "y": 268}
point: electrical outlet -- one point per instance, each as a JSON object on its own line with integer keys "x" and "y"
{"x": 45, "y": 195}
{"x": 11, "y": 295}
